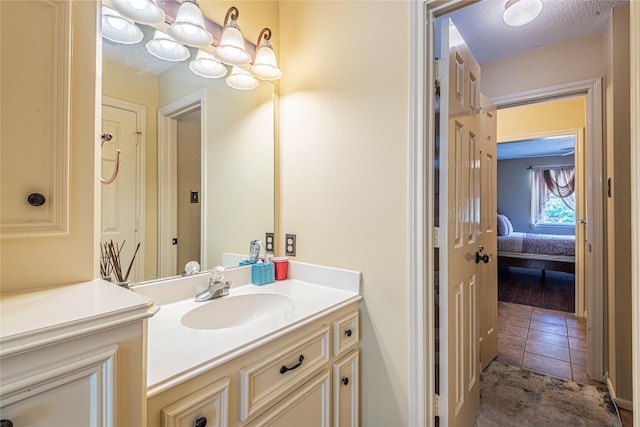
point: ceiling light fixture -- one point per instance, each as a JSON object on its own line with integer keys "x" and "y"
{"x": 205, "y": 65}
{"x": 265, "y": 66}
{"x": 242, "y": 79}
{"x": 189, "y": 26}
{"x": 231, "y": 48}
{"x": 164, "y": 47}
{"x": 521, "y": 12}
{"x": 119, "y": 29}
{"x": 143, "y": 11}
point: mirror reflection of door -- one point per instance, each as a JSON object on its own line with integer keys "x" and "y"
{"x": 188, "y": 202}
{"x": 121, "y": 207}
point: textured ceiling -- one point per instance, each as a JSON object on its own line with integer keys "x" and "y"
{"x": 489, "y": 38}
{"x": 543, "y": 147}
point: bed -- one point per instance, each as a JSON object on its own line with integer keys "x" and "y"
{"x": 538, "y": 251}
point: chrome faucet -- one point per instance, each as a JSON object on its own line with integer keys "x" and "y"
{"x": 218, "y": 287}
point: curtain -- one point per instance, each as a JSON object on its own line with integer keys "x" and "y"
{"x": 559, "y": 181}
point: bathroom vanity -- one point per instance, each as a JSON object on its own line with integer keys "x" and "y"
{"x": 96, "y": 354}
{"x": 280, "y": 354}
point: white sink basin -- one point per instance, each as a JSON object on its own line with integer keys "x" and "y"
{"x": 230, "y": 311}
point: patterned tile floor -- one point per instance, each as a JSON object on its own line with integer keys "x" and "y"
{"x": 549, "y": 342}
{"x": 545, "y": 341}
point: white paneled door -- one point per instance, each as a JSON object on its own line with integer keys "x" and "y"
{"x": 467, "y": 212}
{"x": 121, "y": 220}
{"x": 488, "y": 266}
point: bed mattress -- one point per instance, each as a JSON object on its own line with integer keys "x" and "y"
{"x": 541, "y": 244}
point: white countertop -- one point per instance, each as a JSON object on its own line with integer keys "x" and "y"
{"x": 177, "y": 353}
{"x": 33, "y": 319}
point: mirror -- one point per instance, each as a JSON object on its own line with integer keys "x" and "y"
{"x": 196, "y": 172}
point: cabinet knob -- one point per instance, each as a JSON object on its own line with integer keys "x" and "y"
{"x": 345, "y": 380}
{"x": 201, "y": 422}
{"x": 6, "y": 423}
{"x": 347, "y": 332}
{"x": 36, "y": 199}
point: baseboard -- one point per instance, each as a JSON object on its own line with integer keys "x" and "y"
{"x": 620, "y": 403}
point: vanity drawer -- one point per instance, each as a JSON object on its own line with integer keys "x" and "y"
{"x": 345, "y": 332}
{"x": 208, "y": 406}
{"x": 265, "y": 381}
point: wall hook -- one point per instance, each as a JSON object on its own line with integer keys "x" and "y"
{"x": 106, "y": 137}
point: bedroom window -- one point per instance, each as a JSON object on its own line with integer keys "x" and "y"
{"x": 553, "y": 196}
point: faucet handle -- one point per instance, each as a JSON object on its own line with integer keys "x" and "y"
{"x": 217, "y": 274}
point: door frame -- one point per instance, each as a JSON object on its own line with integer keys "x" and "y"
{"x": 140, "y": 190}
{"x": 594, "y": 170}
{"x": 422, "y": 403}
{"x": 634, "y": 15}
{"x": 167, "y": 177}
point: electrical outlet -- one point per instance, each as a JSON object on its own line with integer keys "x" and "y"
{"x": 269, "y": 243}
{"x": 290, "y": 243}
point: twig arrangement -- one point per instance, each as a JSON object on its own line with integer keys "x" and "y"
{"x": 110, "y": 262}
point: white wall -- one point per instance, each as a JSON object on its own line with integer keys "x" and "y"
{"x": 343, "y": 175}
{"x": 570, "y": 61}
{"x": 514, "y": 192}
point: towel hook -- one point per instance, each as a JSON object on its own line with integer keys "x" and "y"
{"x": 106, "y": 137}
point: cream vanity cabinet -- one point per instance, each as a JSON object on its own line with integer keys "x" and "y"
{"x": 308, "y": 376}
{"x": 73, "y": 356}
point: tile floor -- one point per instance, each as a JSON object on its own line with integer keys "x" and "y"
{"x": 548, "y": 342}
{"x": 545, "y": 341}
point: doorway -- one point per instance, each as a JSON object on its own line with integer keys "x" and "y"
{"x": 180, "y": 187}
{"x": 537, "y": 142}
{"x": 423, "y": 102}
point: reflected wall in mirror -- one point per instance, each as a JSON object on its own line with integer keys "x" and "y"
{"x": 196, "y": 175}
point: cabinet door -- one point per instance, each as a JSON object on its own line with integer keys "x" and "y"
{"x": 307, "y": 406}
{"x": 35, "y": 117}
{"x": 345, "y": 391}
{"x": 73, "y": 392}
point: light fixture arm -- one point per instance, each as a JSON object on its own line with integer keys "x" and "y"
{"x": 234, "y": 13}
{"x": 266, "y": 32}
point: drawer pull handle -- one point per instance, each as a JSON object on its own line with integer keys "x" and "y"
{"x": 347, "y": 332}
{"x": 345, "y": 380}
{"x": 284, "y": 369}
{"x": 201, "y": 422}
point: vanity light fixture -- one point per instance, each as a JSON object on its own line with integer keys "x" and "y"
{"x": 265, "y": 66}
{"x": 119, "y": 29}
{"x": 142, "y": 11}
{"x": 242, "y": 79}
{"x": 164, "y": 47}
{"x": 231, "y": 48}
{"x": 521, "y": 12}
{"x": 205, "y": 65}
{"x": 189, "y": 26}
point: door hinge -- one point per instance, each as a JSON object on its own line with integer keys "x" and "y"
{"x": 435, "y": 405}
{"x": 439, "y": 238}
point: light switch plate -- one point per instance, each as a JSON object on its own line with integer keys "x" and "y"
{"x": 290, "y": 245}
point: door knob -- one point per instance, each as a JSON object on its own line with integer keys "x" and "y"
{"x": 484, "y": 258}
